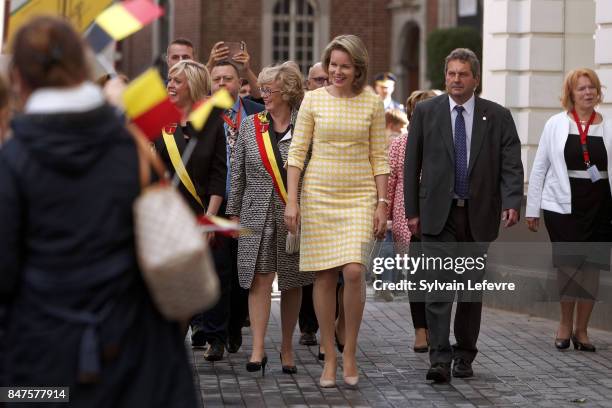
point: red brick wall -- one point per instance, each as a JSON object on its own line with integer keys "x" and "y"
{"x": 432, "y": 16}
{"x": 187, "y": 22}
{"x": 371, "y": 21}
{"x": 136, "y": 53}
{"x": 237, "y": 20}
{"x": 205, "y": 22}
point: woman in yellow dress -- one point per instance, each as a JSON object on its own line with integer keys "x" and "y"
{"x": 344, "y": 204}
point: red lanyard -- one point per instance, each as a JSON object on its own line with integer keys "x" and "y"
{"x": 234, "y": 125}
{"x": 583, "y": 135}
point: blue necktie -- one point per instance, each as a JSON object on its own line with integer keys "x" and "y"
{"x": 461, "y": 165}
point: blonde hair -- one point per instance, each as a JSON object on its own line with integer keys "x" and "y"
{"x": 395, "y": 117}
{"x": 356, "y": 49}
{"x": 419, "y": 96}
{"x": 198, "y": 78}
{"x": 290, "y": 80}
{"x": 571, "y": 79}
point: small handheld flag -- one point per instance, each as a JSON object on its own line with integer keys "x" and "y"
{"x": 211, "y": 223}
{"x": 120, "y": 21}
{"x": 200, "y": 113}
{"x": 147, "y": 104}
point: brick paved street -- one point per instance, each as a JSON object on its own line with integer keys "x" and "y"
{"x": 517, "y": 366}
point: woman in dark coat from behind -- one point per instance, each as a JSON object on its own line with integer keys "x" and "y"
{"x": 79, "y": 313}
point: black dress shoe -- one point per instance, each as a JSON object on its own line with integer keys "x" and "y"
{"x": 582, "y": 346}
{"x": 562, "y": 344}
{"x": 198, "y": 338}
{"x": 214, "y": 352}
{"x": 462, "y": 368}
{"x": 439, "y": 373}
{"x": 308, "y": 339}
{"x": 234, "y": 342}
{"x": 253, "y": 366}
{"x": 287, "y": 369}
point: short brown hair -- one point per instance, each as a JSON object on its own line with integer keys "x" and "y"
{"x": 571, "y": 79}
{"x": 464, "y": 55}
{"x": 356, "y": 49}
{"x": 290, "y": 80}
{"x": 198, "y": 78}
{"x": 418, "y": 96}
{"x": 47, "y": 52}
{"x": 185, "y": 42}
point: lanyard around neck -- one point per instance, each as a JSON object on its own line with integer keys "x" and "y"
{"x": 583, "y": 136}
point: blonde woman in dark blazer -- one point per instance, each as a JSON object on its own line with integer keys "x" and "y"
{"x": 257, "y": 199}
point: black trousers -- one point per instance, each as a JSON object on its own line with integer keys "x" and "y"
{"x": 416, "y": 298}
{"x": 228, "y": 315}
{"x": 307, "y": 319}
{"x": 454, "y": 241}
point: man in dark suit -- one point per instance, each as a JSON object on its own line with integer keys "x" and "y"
{"x": 463, "y": 172}
{"x": 221, "y": 326}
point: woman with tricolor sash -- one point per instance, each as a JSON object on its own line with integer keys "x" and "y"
{"x": 202, "y": 175}
{"x": 257, "y": 199}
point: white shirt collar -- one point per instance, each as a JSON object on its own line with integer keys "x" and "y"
{"x": 80, "y": 98}
{"x": 468, "y": 105}
{"x": 287, "y": 136}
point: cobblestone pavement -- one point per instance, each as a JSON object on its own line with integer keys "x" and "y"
{"x": 517, "y": 366}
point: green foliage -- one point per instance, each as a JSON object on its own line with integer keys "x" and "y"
{"x": 441, "y": 42}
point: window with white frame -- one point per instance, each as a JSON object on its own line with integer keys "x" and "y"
{"x": 293, "y": 32}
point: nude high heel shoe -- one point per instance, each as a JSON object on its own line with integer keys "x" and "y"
{"x": 327, "y": 383}
{"x": 352, "y": 381}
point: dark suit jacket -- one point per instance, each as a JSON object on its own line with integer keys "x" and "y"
{"x": 495, "y": 169}
{"x": 251, "y": 106}
{"x": 207, "y": 166}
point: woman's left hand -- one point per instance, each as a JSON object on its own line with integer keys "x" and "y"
{"x": 380, "y": 220}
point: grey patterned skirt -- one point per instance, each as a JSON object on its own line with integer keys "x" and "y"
{"x": 272, "y": 256}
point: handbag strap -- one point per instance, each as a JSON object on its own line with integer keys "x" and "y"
{"x": 147, "y": 158}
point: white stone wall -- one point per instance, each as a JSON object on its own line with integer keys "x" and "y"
{"x": 528, "y": 47}
{"x": 603, "y": 50}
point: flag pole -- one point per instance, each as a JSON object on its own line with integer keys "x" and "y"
{"x": 106, "y": 65}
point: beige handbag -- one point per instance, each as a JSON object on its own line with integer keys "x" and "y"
{"x": 172, "y": 253}
{"x": 292, "y": 243}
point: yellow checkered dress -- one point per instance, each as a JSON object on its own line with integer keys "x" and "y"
{"x": 349, "y": 148}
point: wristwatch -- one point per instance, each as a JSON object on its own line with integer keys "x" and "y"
{"x": 384, "y": 200}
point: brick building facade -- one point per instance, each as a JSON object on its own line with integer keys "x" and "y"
{"x": 394, "y": 32}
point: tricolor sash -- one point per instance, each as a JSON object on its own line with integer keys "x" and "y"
{"x": 270, "y": 155}
{"x": 177, "y": 163}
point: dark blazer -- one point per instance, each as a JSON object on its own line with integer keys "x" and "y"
{"x": 207, "y": 166}
{"x": 495, "y": 169}
{"x": 251, "y": 106}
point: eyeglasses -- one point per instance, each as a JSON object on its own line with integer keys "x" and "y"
{"x": 267, "y": 91}
{"x": 320, "y": 80}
